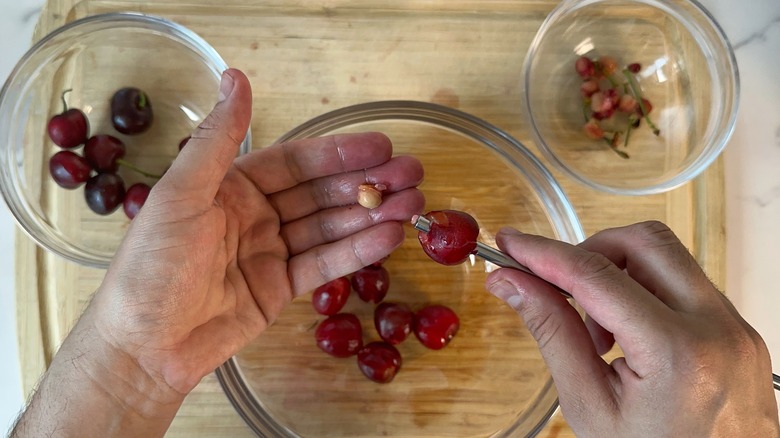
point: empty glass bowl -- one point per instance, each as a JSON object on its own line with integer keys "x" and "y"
{"x": 94, "y": 57}
{"x": 687, "y": 70}
{"x": 491, "y": 379}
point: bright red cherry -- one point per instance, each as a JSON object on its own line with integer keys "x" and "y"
{"x": 340, "y": 335}
{"x": 68, "y": 169}
{"x": 393, "y": 322}
{"x": 371, "y": 283}
{"x": 102, "y": 151}
{"x": 69, "y": 128}
{"x": 135, "y": 198}
{"x": 452, "y": 236}
{"x": 435, "y": 326}
{"x": 379, "y": 361}
{"x": 330, "y": 298}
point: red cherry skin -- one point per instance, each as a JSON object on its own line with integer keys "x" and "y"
{"x": 183, "y": 142}
{"x": 340, "y": 335}
{"x": 330, "y": 298}
{"x": 69, "y": 128}
{"x": 393, "y": 322}
{"x": 435, "y": 326}
{"x": 371, "y": 283}
{"x": 104, "y": 192}
{"x": 379, "y": 361}
{"x": 102, "y": 151}
{"x": 68, "y": 169}
{"x": 452, "y": 236}
{"x": 135, "y": 198}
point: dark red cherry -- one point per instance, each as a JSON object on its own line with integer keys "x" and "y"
{"x": 131, "y": 111}
{"x": 435, "y": 326}
{"x": 68, "y": 169}
{"x": 379, "y": 361}
{"x": 183, "y": 142}
{"x": 69, "y": 128}
{"x": 102, "y": 152}
{"x": 393, "y": 322}
{"x": 104, "y": 192}
{"x": 330, "y": 298}
{"x": 452, "y": 236}
{"x": 371, "y": 283}
{"x": 135, "y": 198}
{"x": 340, "y": 335}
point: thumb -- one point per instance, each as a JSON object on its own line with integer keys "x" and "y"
{"x": 202, "y": 164}
{"x": 581, "y": 377}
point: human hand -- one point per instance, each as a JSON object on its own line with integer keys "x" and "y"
{"x": 222, "y": 245}
{"x": 692, "y": 365}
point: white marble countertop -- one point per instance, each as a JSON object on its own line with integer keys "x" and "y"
{"x": 752, "y": 177}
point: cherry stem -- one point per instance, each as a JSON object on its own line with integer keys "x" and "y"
{"x": 628, "y": 133}
{"x": 142, "y": 100}
{"x": 638, "y": 98}
{"x": 62, "y": 97}
{"x": 132, "y": 166}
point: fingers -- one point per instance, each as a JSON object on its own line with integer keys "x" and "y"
{"x": 200, "y": 167}
{"x": 653, "y": 256}
{"x": 397, "y": 174}
{"x": 286, "y": 165}
{"x": 336, "y": 223}
{"x": 619, "y": 304}
{"x": 326, "y": 262}
{"x": 581, "y": 376}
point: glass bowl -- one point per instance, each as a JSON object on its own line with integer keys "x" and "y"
{"x": 491, "y": 379}
{"x": 94, "y": 57}
{"x": 687, "y": 70}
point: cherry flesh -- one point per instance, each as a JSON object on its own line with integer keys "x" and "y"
{"x": 69, "y": 128}
{"x": 102, "y": 152}
{"x": 340, "y": 335}
{"x": 452, "y": 236}
{"x": 435, "y": 326}
{"x": 371, "y": 283}
{"x": 104, "y": 192}
{"x": 135, "y": 198}
{"x": 379, "y": 361}
{"x": 68, "y": 169}
{"x": 393, "y": 322}
{"x": 131, "y": 111}
{"x": 330, "y": 298}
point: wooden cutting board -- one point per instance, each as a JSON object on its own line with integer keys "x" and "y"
{"x": 51, "y": 292}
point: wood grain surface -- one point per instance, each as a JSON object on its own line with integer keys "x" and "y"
{"x": 305, "y": 58}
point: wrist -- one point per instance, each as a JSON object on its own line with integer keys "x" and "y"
{"x": 93, "y": 388}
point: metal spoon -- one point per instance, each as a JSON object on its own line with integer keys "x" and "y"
{"x": 489, "y": 253}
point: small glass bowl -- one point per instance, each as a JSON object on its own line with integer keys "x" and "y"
{"x": 688, "y": 72}
{"x": 95, "y": 56}
{"x": 491, "y": 379}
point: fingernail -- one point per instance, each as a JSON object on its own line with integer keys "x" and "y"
{"x": 225, "y": 86}
{"x": 507, "y": 292}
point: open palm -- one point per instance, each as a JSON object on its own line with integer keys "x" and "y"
{"x": 223, "y": 244}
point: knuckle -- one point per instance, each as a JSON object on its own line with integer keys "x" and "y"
{"x": 593, "y": 267}
{"x": 542, "y": 326}
{"x": 656, "y": 233}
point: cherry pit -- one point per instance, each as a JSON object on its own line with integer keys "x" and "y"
{"x": 96, "y": 166}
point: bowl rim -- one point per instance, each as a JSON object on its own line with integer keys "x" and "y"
{"x": 696, "y": 166}
{"x": 229, "y": 374}
{"x": 20, "y": 209}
